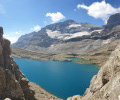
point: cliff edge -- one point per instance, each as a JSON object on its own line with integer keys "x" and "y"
{"x": 13, "y": 84}
{"x": 106, "y": 84}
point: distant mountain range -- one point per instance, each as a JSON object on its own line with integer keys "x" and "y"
{"x": 58, "y": 32}
{"x": 71, "y": 37}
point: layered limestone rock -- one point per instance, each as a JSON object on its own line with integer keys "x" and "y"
{"x": 13, "y": 84}
{"x": 106, "y": 84}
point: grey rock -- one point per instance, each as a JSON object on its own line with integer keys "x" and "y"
{"x": 106, "y": 84}
{"x": 12, "y": 84}
{"x": 42, "y": 40}
{"x": 42, "y": 43}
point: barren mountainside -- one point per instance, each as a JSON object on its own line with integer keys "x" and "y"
{"x": 106, "y": 84}
{"x": 55, "y": 34}
{"x": 71, "y": 37}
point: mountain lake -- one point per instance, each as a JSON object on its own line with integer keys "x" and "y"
{"x": 63, "y": 79}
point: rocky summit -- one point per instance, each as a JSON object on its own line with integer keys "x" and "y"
{"x": 114, "y": 20}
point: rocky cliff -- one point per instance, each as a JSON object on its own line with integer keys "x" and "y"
{"x": 106, "y": 84}
{"x": 13, "y": 84}
{"x": 114, "y": 20}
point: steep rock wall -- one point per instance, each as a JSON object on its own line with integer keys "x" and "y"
{"x": 13, "y": 84}
{"x": 106, "y": 84}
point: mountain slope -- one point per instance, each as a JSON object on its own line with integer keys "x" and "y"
{"x": 56, "y": 33}
{"x": 106, "y": 84}
{"x": 13, "y": 84}
{"x": 72, "y": 37}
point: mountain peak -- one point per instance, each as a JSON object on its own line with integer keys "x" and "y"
{"x": 114, "y": 20}
{"x": 70, "y": 21}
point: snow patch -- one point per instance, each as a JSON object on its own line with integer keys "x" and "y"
{"x": 78, "y": 34}
{"x": 53, "y": 34}
{"x": 97, "y": 30}
{"x": 65, "y": 36}
{"x": 74, "y": 25}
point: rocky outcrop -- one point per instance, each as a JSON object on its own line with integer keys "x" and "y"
{"x": 114, "y": 20}
{"x": 106, "y": 84}
{"x": 41, "y": 94}
{"x": 13, "y": 84}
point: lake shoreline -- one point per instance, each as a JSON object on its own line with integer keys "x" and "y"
{"x": 41, "y": 67}
{"x": 21, "y": 53}
{"x": 64, "y": 59}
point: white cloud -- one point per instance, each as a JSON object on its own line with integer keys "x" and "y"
{"x": 82, "y": 6}
{"x": 100, "y": 10}
{"x": 12, "y": 39}
{"x": 12, "y": 36}
{"x": 55, "y": 17}
{"x": 36, "y": 28}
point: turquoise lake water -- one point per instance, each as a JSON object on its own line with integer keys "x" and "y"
{"x": 63, "y": 79}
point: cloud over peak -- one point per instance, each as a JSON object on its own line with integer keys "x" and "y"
{"x": 100, "y": 10}
{"x": 55, "y": 17}
{"x": 12, "y": 39}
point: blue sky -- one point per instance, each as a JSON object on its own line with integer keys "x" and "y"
{"x": 19, "y": 17}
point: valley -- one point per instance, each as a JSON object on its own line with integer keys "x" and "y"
{"x": 98, "y": 43}
{"x": 59, "y": 49}
{"x": 69, "y": 40}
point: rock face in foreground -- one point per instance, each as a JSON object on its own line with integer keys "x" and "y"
{"x": 41, "y": 94}
{"x": 106, "y": 84}
{"x": 13, "y": 84}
